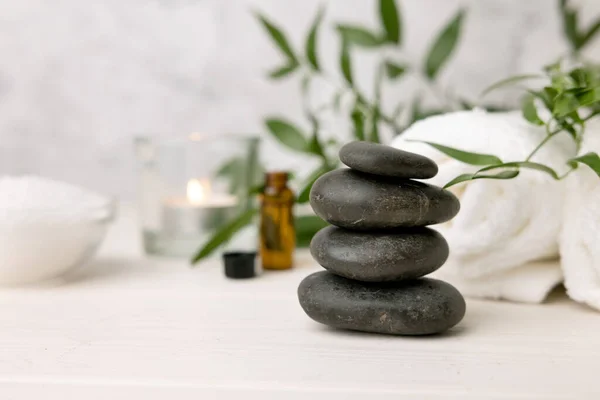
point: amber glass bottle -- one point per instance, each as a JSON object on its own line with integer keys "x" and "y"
{"x": 277, "y": 233}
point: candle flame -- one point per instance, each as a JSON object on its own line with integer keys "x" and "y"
{"x": 198, "y": 190}
{"x": 195, "y": 137}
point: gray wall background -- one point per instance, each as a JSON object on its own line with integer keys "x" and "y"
{"x": 79, "y": 79}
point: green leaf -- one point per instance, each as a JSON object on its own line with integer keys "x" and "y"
{"x": 529, "y": 111}
{"x": 393, "y": 70}
{"x": 464, "y": 156}
{"x": 254, "y": 171}
{"x": 230, "y": 167}
{"x": 443, "y": 46}
{"x": 509, "y": 81}
{"x": 373, "y": 135}
{"x": 314, "y": 145}
{"x": 278, "y": 37}
{"x": 469, "y": 177}
{"x": 583, "y": 40}
{"x": 346, "y": 62}
{"x": 358, "y": 122}
{"x": 494, "y": 108}
{"x": 575, "y": 117}
{"x": 562, "y": 82}
{"x": 580, "y": 77}
{"x": 311, "y": 40}
{"x": 459, "y": 179}
{"x": 256, "y": 189}
{"x": 224, "y": 234}
{"x": 429, "y": 113}
{"x": 588, "y": 97}
{"x": 547, "y": 95}
{"x": 466, "y": 104}
{"x": 303, "y": 197}
{"x": 551, "y": 93}
{"x": 287, "y": 134}
{"x": 565, "y": 103}
{"x": 234, "y": 172}
{"x": 569, "y": 23}
{"x": 306, "y": 227}
{"x": 415, "y": 109}
{"x": 359, "y": 36}
{"x": 522, "y": 164}
{"x": 590, "y": 159}
{"x": 554, "y": 68}
{"x": 390, "y": 18}
{"x": 282, "y": 72}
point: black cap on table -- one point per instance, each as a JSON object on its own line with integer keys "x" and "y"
{"x": 239, "y": 265}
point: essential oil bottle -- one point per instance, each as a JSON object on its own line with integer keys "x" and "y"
{"x": 277, "y": 233}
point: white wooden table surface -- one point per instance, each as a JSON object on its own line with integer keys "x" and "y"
{"x": 130, "y": 327}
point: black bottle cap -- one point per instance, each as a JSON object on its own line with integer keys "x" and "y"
{"x": 239, "y": 265}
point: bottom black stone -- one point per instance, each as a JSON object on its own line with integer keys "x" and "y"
{"x": 415, "y": 307}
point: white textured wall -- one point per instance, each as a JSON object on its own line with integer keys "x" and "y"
{"x": 79, "y": 79}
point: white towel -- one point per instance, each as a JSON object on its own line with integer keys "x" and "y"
{"x": 580, "y": 235}
{"x": 504, "y": 227}
{"x": 529, "y": 283}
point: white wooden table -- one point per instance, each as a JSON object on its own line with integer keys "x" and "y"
{"x": 130, "y": 327}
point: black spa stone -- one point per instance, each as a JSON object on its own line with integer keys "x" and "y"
{"x": 413, "y": 307}
{"x": 358, "y": 201}
{"x": 384, "y": 160}
{"x": 379, "y": 256}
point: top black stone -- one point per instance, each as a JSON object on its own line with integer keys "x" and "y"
{"x": 378, "y": 159}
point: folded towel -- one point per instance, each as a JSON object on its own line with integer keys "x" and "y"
{"x": 503, "y": 227}
{"x": 529, "y": 283}
{"x": 580, "y": 234}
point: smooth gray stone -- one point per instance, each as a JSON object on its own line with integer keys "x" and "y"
{"x": 358, "y": 201}
{"x": 379, "y": 256}
{"x": 414, "y": 307}
{"x": 384, "y": 160}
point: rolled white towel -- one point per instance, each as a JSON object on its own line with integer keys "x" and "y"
{"x": 580, "y": 234}
{"x": 504, "y": 227}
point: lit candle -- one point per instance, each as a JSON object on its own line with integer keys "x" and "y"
{"x": 200, "y": 211}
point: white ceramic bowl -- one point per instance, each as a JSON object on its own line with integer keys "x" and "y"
{"x": 32, "y": 251}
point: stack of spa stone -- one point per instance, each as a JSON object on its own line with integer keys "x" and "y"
{"x": 379, "y": 248}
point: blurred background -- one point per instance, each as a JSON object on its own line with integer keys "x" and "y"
{"x": 79, "y": 80}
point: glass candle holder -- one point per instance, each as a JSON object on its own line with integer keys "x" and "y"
{"x": 191, "y": 187}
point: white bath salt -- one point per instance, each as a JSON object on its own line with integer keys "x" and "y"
{"x": 34, "y": 198}
{"x": 47, "y": 227}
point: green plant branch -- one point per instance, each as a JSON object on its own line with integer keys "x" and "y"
{"x": 567, "y": 94}
{"x": 541, "y": 144}
{"x": 561, "y": 97}
{"x": 364, "y": 105}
